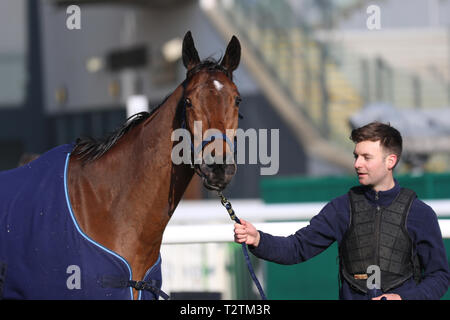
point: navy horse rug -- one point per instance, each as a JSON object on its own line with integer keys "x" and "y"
{"x": 43, "y": 252}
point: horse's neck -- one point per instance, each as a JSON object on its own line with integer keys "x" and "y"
{"x": 161, "y": 184}
{"x": 140, "y": 186}
{"x": 165, "y": 182}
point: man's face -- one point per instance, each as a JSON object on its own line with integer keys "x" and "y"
{"x": 373, "y": 164}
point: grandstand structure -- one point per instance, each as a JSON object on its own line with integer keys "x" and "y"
{"x": 325, "y": 76}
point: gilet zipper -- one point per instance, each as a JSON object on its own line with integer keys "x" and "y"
{"x": 377, "y": 230}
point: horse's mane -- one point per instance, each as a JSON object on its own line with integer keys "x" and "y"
{"x": 89, "y": 149}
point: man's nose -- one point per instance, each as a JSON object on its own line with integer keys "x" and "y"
{"x": 357, "y": 163}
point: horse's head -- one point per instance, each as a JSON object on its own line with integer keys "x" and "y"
{"x": 211, "y": 102}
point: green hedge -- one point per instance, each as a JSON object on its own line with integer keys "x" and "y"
{"x": 323, "y": 189}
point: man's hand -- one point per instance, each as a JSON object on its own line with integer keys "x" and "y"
{"x": 247, "y": 233}
{"x": 388, "y": 296}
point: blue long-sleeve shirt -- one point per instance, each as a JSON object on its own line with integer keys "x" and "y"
{"x": 333, "y": 221}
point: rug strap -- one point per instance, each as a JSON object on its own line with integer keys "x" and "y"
{"x": 119, "y": 282}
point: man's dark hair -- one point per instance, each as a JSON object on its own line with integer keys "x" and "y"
{"x": 389, "y": 137}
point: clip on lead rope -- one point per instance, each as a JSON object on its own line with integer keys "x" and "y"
{"x": 233, "y": 217}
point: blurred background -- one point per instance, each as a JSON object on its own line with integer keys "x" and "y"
{"x": 312, "y": 69}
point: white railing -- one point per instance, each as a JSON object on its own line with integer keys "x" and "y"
{"x": 207, "y": 221}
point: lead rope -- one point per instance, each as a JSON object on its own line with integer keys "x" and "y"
{"x": 233, "y": 217}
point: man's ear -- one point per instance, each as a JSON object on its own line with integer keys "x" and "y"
{"x": 391, "y": 161}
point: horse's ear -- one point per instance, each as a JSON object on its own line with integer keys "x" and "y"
{"x": 232, "y": 55}
{"x": 190, "y": 54}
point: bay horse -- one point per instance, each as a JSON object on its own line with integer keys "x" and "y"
{"x": 106, "y": 202}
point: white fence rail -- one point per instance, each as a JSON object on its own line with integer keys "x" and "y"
{"x": 207, "y": 221}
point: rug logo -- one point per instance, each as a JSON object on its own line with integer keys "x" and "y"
{"x": 212, "y": 151}
{"x": 74, "y": 280}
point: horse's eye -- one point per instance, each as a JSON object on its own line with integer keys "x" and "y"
{"x": 238, "y": 101}
{"x": 188, "y": 102}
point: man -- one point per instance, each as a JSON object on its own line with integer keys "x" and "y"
{"x": 378, "y": 225}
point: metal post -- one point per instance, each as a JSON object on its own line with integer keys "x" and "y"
{"x": 35, "y": 120}
{"x": 326, "y": 8}
{"x": 390, "y": 84}
{"x": 448, "y": 66}
{"x": 379, "y": 66}
{"x": 365, "y": 80}
{"x": 324, "y": 89}
{"x": 417, "y": 92}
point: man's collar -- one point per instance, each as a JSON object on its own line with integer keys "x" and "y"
{"x": 383, "y": 198}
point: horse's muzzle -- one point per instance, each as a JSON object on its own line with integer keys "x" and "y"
{"x": 217, "y": 176}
